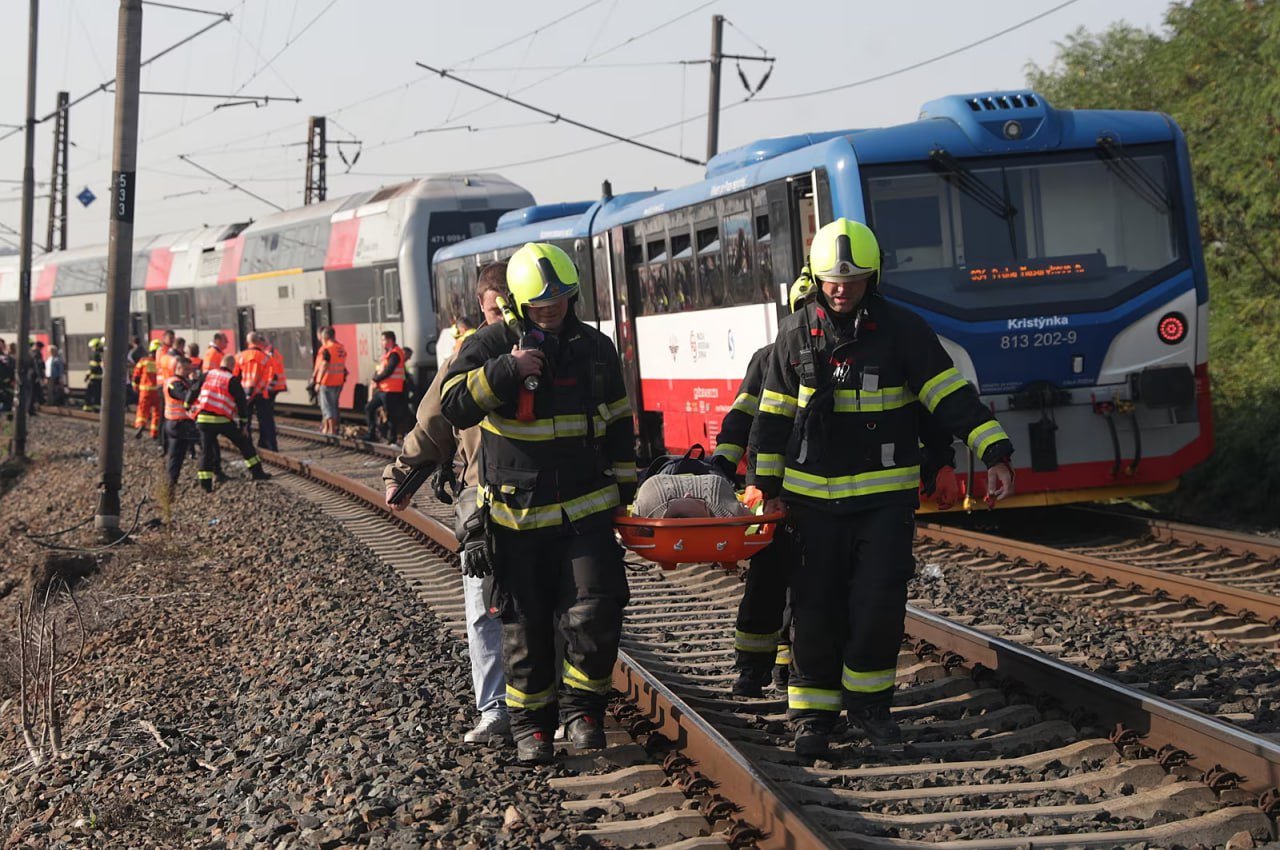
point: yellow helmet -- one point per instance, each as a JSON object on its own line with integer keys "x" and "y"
{"x": 802, "y": 289}
{"x": 155, "y": 346}
{"x": 540, "y": 273}
{"x": 95, "y": 343}
{"x": 845, "y": 250}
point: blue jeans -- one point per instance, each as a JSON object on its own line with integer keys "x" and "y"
{"x": 484, "y": 645}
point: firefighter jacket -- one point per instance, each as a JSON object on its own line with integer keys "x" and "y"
{"x": 838, "y": 427}
{"x": 95, "y": 367}
{"x": 574, "y": 460}
{"x": 213, "y": 357}
{"x": 145, "y": 375}
{"x": 176, "y": 391}
{"x": 279, "y": 382}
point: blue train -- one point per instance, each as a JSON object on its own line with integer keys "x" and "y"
{"x": 1056, "y": 252}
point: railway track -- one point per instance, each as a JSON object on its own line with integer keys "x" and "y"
{"x": 1004, "y": 747}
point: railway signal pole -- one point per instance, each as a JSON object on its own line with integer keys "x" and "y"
{"x": 19, "y": 446}
{"x": 713, "y": 106}
{"x": 119, "y": 269}
{"x": 58, "y": 183}
{"x": 317, "y": 155}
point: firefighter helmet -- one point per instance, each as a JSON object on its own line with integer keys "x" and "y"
{"x": 155, "y": 346}
{"x": 95, "y": 343}
{"x": 802, "y": 290}
{"x": 845, "y": 250}
{"x": 540, "y": 273}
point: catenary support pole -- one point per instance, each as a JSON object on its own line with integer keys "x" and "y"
{"x": 713, "y": 105}
{"x": 56, "y": 240}
{"x": 119, "y": 269}
{"x": 19, "y": 446}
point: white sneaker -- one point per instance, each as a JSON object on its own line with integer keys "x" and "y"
{"x": 493, "y": 724}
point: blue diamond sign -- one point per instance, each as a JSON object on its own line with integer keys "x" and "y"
{"x": 86, "y": 196}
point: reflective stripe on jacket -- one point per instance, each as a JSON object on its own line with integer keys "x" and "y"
{"x": 145, "y": 375}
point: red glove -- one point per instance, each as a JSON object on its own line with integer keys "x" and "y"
{"x": 946, "y": 489}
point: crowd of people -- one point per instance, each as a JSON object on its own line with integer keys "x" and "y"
{"x": 839, "y": 426}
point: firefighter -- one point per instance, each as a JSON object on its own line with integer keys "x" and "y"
{"x": 255, "y": 370}
{"x": 146, "y": 383}
{"x": 220, "y": 403}
{"x": 164, "y": 358}
{"x": 762, "y": 635}
{"x": 179, "y": 426}
{"x": 837, "y": 446}
{"x": 93, "y": 377}
{"x": 279, "y": 383}
{"x": 388, "y": 395}
{"x": 215, "y": 352}
{"x": 433, "y": 443}
{"x": 327, "y": 376}
{"x": 557, "y": 461}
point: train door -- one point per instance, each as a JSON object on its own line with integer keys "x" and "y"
{"x": 140, "y": 326}
{"x": 319, "y": 315}
{"x": 623, "y": 258}
{"x": 244, "y": 324}
{"x": 58, "y": 336}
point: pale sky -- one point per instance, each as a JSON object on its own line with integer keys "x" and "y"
{"x": 353, "y": 60}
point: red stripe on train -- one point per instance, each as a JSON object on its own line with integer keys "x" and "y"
{"x": 158, "y": 268}
{"x": 44, "y": 284}
{"x": 232, "y": 251}
{"x": 343, "y": 236}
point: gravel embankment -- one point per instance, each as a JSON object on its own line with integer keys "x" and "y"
{"x": 252, "y": 677}
{"x": 1224, "y": 678}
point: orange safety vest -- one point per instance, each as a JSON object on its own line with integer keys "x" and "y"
{"x": 164, "y": 364}
{"x": 215, "y": 396}
{"x": 253, "y": 367}
{"x": 144, "y": 375}
{"x": 213, "y": 357}
{"x": 196, "y": 364}
{"x": 335, "y": 371}
{"x": 393, "y": 383}
{"x": 278, "y": 381}
{"x": 174, "y": 409}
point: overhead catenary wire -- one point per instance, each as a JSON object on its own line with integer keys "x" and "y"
{"x": 559, "y": 117}
{"x": 230, "y": 183}
{"x": 922, "y": 63}
{"x": 289, "y": 42}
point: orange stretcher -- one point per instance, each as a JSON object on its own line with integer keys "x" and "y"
{"x": 696, "y": 540}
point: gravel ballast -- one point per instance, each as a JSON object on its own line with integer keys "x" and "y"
{"x": 252, "y": 677}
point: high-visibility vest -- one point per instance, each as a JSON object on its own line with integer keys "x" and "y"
{"x": 278, "y": 381}
{"x": 393, "y": 383}
{"x": 174, "y": 409}
{"x": 144, "y": 375}
{"x": 213, "y": 357}
{"x": 165, "y": 358}
{"x": 253, "y": 367}
{"x": 196, "y": 364}
{"x": 335, "y": 371}
{"x": 215, "y": 397}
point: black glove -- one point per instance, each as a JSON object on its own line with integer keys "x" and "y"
{"x": 312, "y": 394}
{"x": 445, "y": 484}
{"x": 477, "y": 545}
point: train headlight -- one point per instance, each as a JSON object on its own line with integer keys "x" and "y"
{"x": 1172, "y": 328}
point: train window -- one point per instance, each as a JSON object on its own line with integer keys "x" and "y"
{"x": 452, "y": 292}
{"x": 637, "y": 272}
{"x": 75, "y": 351}
{"x": 657, "y": 292}
{"x": 81, "y": 278}
{"x": 711, "y": 287}
{"x": 138, "y": 271}
{"x": 9, "y": 315}
{"x": 351, "y": 292}
{"x": 391, "y": 293}
{"x": 600, "y": 261}
{"x": 683, "y": 282}
{"x": 294, "y": 345}
{"x": 215, "y": 307}
{"x": 765, "y": 290}
{"x": 39, "y": 316}
{"x": 736, "y": 237}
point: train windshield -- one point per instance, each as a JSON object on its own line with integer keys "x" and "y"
{"x": 995, "y": 237}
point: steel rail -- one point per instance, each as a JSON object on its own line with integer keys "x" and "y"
{"x": 1247, "y": 604}
{"x": 1208, "y": 741}
{"x": 1256, "y": 546}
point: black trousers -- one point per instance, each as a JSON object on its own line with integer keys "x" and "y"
{"x": 93, "y": 394}
{"x": 209, "y": 452}
{"x": 849, "y": 596}
{"x": 763, "y": 630}
{"x": 554, "y": 582}
{"x": 264, "y": 410}
{"x": 396, "y": 408}
{"x": 180, "y": 435}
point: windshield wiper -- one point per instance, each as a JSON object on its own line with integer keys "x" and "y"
{"x": 963, "y": 179}
{"x": 1132, "y": 175}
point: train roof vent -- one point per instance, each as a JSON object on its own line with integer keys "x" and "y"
{"x": 541, "y": 212}
{"x": 999, "y": 120}
{"x": 762, "y": 149}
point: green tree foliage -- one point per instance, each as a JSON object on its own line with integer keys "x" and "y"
{"x": 1216, "y": 70}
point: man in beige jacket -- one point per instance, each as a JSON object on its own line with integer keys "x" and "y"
{"x": 434, "y": 442}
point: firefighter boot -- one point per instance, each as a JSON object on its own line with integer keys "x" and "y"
{"x": 876, "y": 723}
{"x": 535, "y": 748}
{"x": 585, "y": 732}
{"x": 812, "y": 742}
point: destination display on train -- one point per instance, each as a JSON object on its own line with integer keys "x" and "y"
{"x": 1039, "y": 269}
